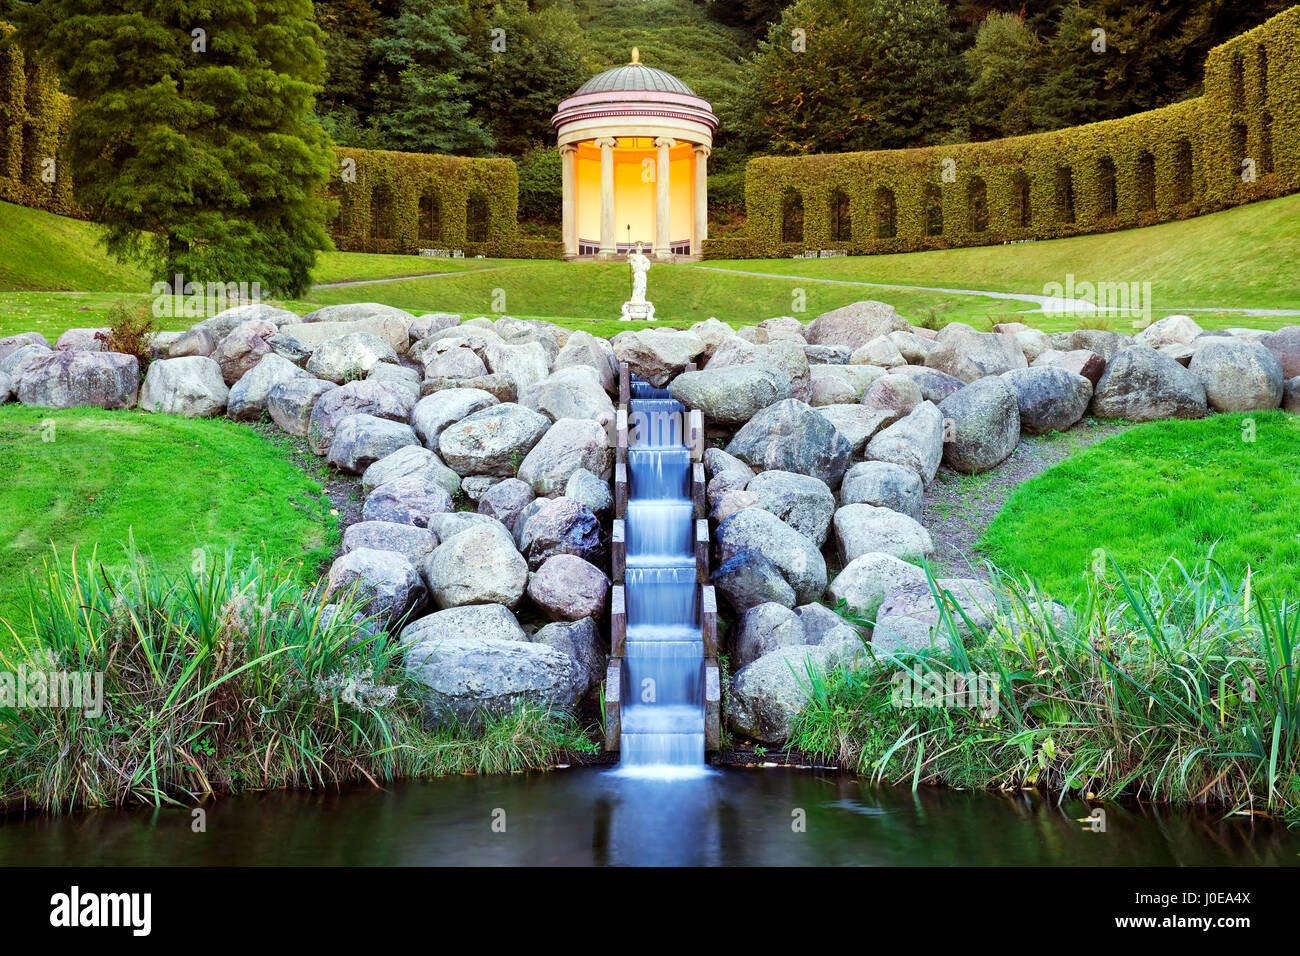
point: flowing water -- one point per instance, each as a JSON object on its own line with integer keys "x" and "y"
{"x": 663, "y": 664}
{"x": 591, "y": 816}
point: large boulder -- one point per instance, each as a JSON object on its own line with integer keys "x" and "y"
{"x": 730, "y": 395}
{"x": 568, "y": 445}
{"x": 524, "y": 363}
{"x": 17, "y": 360}
{"x": 241, "y": 350}
{"x": 572, "y": 392}
{"x": 435, "y": 412}
{"x": 222, "y": 324}
{"x": 361, "y": 440}
{"x": 880, "y": 351}
{"x": 1104, "y": 342}
{"x": 349, "y": 357}
{"x": 6, "y": 388}
{"x": 981, "y": 425}
{"x": 83, "y": 340}
{"x": 411, "y": 542}
{"x": 385, "y": 582}
{"x": 793, "y": 436}
{"x": 356, "y": 312}
{"x": 477, "y": 566}
{"x": 657, "y": 355}
{"x": 1082, "y": 362}
{"x": 768, "y": 694}
{"x": 354, "y": 398}
{"x": 1291, "y": 395}
{"x": 591, "y": 490}
{"x": 12, "y": 343}
{"x": 74, "y": 379}
{"x": 1171, "y": 330}
{"x": 493, "y": 440}
{"x": 582, "y": 641}
{"x": 197, "y": 341}
{"x": 392, "y": 331}
{"x": 567, "y": 588}
{"x": 786, "y": 359}
{"x": 747, "y": 579}
{"x": 856, "y": 422}
{"x": 713, "y": 332}
{"x": 464, "y": 679}
{"x": 801, "y": 501}
{"x": 866, "y": 529}
{"x": 962, "y": 352}
{"x": 971, "y": 604}
{"x": 796, "y": 556}
{"x": 562, "y": 526}
{"x": 884, "y": 484}
{"x": 290, "y": 403}
{"x": 854, "y": 325}
{"x": 1285, "y": 344}
{"x": 897, "y": 394}
{"x": 409, "y": 460}
{"x": 504, "y": 500}
{"x": 586, "y": 350}
{"x": 864, "y": 582}
{"x": 1048, "y": 398}
{"x": 493, "y": 622}
{"x": 193, "y": 387}
{"x": 1142, "y": 385}
{"x": 453, "y": 362}
{"x": 935, "y": 385}
{"x": 841, "y": 384}
{"x": 248, "y": 396}
{"x": 764, "y": 628}
{"x": 1238, "y": 376}
{"x": 915, "y": 441}
{"x": 412, "y": 499}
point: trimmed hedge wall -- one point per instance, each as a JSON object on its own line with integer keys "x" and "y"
{"x": 1172, "y": 163}
{"x": 34, "y": 121}
{"x": 402, "y": 202}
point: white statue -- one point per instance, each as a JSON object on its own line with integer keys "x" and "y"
{"x": 637, "y": 307}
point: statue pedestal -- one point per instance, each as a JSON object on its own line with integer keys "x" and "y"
{"x": 644, "y": 311}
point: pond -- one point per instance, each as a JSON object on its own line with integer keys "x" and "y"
{"x": 597, "y": 816}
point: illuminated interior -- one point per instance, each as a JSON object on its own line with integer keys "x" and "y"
{"x": 634, "y": 191}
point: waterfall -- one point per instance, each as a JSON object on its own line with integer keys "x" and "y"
{"x": 663, "y": 664}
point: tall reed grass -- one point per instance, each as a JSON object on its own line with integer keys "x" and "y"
{"x": 225, "y": 679}
{"x": 1176, "y": 686}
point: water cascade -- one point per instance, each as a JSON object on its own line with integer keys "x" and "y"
{"x": 664, "y": 669}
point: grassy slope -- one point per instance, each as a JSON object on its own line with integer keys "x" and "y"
{"x": 1164, "y": 489}
{"x": 1246, "y": 257}
{"x": 175, "y": 484}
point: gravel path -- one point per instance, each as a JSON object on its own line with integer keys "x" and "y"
{"x": 959, "y": 508}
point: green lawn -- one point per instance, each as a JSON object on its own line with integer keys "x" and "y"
{"x": 176, "y": 484}
{"x": 1165, "y": 489}
{"x": 54, "y": 276}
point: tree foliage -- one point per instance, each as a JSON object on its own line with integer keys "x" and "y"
{"x": 196, "y": 150}
{"x": 837, "y": 75}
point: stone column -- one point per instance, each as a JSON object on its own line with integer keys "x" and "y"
{"x": 607, "y": 241}
{"x": 569, "y": 155}
{"x": 701, "y": 217}
{"x": 663, "y": 200}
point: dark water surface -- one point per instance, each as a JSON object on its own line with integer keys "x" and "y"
{"x": 595, "y": 816}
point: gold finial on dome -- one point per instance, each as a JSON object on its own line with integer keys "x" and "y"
{"x": 636, "y": 57}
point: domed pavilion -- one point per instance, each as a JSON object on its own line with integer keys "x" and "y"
{"x": 635, "y": 143}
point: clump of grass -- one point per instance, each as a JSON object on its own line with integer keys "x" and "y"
{"x": 222, "y": 679}
{"x": 1180, "y": 686}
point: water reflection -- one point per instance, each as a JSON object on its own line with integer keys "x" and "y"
{"x": 579, "y": 817}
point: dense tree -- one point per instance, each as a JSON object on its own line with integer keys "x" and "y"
{"x": 526, "y": 61}
{"x": 836, "y": 75}
{"x": 193, "y": 140}
{"x": 422, "y": 97}
{"x": 350, "y": 27}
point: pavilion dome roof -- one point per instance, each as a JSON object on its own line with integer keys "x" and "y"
{"x": 634, "y": 78}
